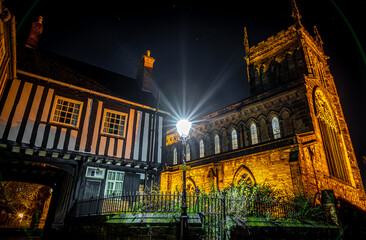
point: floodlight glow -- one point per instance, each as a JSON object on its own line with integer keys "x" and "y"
{"x": 183, "y": 127}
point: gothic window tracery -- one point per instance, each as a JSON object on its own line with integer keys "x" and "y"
{"x": 331, "y": 137}
{"x": 243, "y": 175}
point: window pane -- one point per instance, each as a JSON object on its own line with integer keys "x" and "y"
{"x": 188, "y": 153}
{"x": 217, "y": 144}
{"x": 234, "y": 139}
{"x": 114, "y": 183}
{"x": 113, "y": 123}
{"x": 66, "y": 112}
{"x": 276, "y": 128}
{"x": 202, "y": 149}
{"x": 253, "y": 133}
{"x": 175, "y": 160}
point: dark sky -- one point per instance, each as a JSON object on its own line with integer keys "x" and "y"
{"x": 198, "y": 46}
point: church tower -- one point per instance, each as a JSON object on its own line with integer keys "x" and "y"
{"x": 289, "y": 133}
{"x": 295, "y": 59}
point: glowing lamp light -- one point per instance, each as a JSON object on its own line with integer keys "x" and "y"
{"x": 183, "y": 127}
{"x": 20, "y": 215}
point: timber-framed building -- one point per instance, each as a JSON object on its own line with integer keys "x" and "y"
{"x": 61, "y": 126}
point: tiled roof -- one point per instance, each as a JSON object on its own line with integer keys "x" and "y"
{"x": 81, "y": 74}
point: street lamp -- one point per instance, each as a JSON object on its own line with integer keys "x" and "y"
{"x": 183, "y": 127}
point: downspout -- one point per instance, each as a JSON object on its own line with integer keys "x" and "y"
{"x": 13, "y": 47}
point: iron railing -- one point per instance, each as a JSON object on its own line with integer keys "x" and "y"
{"x": 212, "y": 208}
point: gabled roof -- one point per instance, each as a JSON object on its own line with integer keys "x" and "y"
{"x": 81, "y": 74}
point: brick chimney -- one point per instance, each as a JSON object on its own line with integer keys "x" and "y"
{"x": 35, "y": 33}
{"x": 144, "y": 72}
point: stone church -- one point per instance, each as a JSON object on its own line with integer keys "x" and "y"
{"x": 289, "y": 133}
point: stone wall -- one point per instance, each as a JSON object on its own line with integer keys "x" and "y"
{"x": 270, "y": 167}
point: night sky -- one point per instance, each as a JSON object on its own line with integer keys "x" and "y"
{"x": 198, "y": 47}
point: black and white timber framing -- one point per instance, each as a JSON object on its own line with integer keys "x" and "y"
{"x": 33, "y": 148}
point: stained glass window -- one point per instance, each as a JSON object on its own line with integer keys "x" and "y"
{"x": 202, "y": 149}
{"x": 234, "y": 139}
{"x": 217, "y": 144}
{"x": 276, "y": 128}
{"x": 175, "y": 156}
{"x": 188, "y": 153}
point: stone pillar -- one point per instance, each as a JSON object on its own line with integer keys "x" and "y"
{"x": 329, "y": 203}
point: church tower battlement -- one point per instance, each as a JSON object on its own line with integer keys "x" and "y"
{"x": 287, "y": 57}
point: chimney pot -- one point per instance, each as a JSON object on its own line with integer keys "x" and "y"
{"x": 144, "y": 72}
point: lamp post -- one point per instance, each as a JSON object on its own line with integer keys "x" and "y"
{"x": 183, "y": 127}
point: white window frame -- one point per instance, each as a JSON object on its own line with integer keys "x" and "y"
{"x": 234, "y": 140}
{"x": 95, "y": 172}
{"x": 109, "y": 192}
{"x": 69, "y": 100}
{"x": 104, "y": 121}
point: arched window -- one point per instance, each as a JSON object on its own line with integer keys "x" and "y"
{"x": 217, "y": 144}
{"x": 175, "y": 156}
{"x": 253, "y": 133}
{"x": 243, "y": 175}
{"x": 331, "y": 136}
{"x": 188, "y": 153}
{"x": 202, "y": 149}
{"x": 234, "y": 139}
{"x": 276, "y": 128}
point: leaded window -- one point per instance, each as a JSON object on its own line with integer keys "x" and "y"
{"x": 175, "y": 157}
{"x": 66, "y": 111}
{"x": 234, "y": 139}
{"x": 114, "y": 123}
{"x": 332, "y": 137}
{"x": 253, "y": 133}
{"x": 188, "y": 152}
{"x": 276, "y": 128}
{"x": 202, "y": 149}
{"x": 217, "y": 144}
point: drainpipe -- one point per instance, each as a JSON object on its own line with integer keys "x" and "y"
{"x": 13, "y": 48}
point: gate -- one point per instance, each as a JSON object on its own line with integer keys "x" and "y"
{"x": 213, "y": 215}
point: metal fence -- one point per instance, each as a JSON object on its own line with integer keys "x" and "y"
{"x": 213, "y": 208}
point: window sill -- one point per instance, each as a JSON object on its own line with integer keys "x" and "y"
{"x": 112, "y": 135}
{"x": 61, "y": 125}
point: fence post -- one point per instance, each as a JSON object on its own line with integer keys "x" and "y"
{"x": 197, "y": 199}
{"x": 223, "y": 207}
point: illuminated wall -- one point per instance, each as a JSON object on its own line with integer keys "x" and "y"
{"x": 310, "y": 151}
